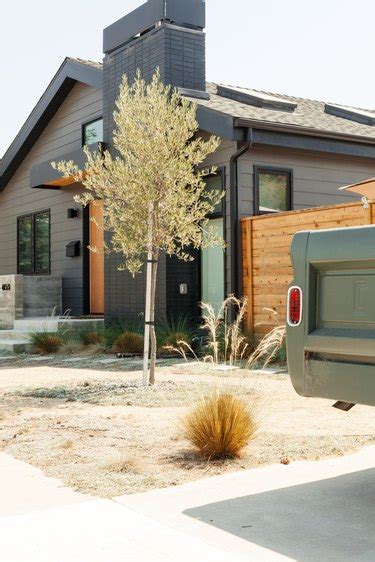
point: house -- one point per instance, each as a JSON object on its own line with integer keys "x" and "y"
{"x": 277, "y": 153}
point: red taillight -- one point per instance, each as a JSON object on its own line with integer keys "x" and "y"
{"x": 294, "y": 306}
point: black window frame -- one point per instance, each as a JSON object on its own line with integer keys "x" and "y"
{"x": 221, "y": 173}
{"x": 288, "y": 172}
{"x": 84, "y": 125}
{"x": 33, "y": 270}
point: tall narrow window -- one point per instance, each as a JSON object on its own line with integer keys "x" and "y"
{"x": 92, "y": 132}
{"x": 25, "y": 245}
{"x": 273, "y": 190}
{"x": 33, "y": 238}
{"x": 213, "y": 258}
{"x": 42, "y": 242}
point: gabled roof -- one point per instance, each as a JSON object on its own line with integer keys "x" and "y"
{"x": 299, "y": 114}
{"x": 223, "y": 111}
{"x": 70, "y": 72}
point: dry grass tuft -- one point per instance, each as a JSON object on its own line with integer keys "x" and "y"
{"x": 71, "y": 347}
{"x": 68, "y": 444}
{"x": 123, "y": 462}
{"x": 220, "y": 426}
{"x": 93, "y": 338}
{"x": 268, "y": 347}
{"x": 129, "y": 342}
{"x": 46, "y": 343}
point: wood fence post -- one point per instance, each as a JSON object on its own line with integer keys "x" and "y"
{"x": 249, "y": 292}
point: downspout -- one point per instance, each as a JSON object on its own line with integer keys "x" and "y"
{"x": 242, "y": 147}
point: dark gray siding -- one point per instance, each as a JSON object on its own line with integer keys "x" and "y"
{"x": 180, "y": 55}
{"x": 125, "y": 294}
{"x": 316, "y": 176}
{"x": 62, "y": 135}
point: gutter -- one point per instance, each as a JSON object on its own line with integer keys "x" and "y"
{"x": 242, "y": 147}
{"x": 300, "y": 130}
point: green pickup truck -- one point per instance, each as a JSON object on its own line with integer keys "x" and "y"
{"x": 331, "y": 315}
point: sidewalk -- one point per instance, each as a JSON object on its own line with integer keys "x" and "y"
{"x": 41, "y": 521}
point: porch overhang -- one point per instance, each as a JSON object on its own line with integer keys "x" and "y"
{"x": 43, "y": 176}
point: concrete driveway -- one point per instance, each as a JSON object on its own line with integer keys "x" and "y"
{"x": 308, "y": 512}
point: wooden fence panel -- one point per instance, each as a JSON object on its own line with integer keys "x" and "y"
{"x": 267, "y": 268}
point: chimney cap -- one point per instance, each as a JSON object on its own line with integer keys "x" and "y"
{"x": 186, "y": 13}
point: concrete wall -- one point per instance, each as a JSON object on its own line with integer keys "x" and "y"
{"x": 62, "y": 135}
{"x": 11, "y": 300}
{"x": 42, "y": 296}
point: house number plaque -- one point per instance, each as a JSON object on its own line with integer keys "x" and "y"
{"x": 6, "y": 287}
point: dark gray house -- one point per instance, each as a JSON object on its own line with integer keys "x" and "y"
{"x": 277, "y": 153}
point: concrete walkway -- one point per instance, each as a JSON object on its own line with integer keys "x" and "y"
{"x": 306, "y": 512}
{"x": 41, "y": 521}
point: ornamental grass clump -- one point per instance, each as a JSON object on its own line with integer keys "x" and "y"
{"x": 93, "y": 338}
{"x": 46, "y": 343}
{"x": 220, "y": 425}
{"x": 129, "y": 342}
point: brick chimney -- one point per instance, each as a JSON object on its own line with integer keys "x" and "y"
{"x": 161, "y": 33}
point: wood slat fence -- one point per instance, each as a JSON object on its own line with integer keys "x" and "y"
{"x": 267, "y": 268}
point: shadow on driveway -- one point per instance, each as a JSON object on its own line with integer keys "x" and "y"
{"x": 324, "y": 521}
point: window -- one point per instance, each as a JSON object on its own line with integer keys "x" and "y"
{"x": 33, "y": 240}
{"x": 92, "y": 132}
{"x": 273, "y": 190}
{"x": 213, "y": 258}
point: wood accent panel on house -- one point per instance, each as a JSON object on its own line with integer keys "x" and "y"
{"x": 267, "y": 267}
{"x": 96, "y": 258}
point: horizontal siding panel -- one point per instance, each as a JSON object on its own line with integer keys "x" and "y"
{"x": 62, "y": 135}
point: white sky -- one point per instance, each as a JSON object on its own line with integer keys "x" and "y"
{"x": 319, "y": 49}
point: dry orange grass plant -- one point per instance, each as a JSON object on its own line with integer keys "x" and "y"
{"x": 220, "y": 425}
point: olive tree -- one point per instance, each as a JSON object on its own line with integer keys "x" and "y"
{"x": 152, "y": 186}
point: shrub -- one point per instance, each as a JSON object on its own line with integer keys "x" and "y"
{"x": 93, "y": 338}
{"x": 220, "y": 426}
{"x": 45, "y": 343}
{"x": 129, "y": 342}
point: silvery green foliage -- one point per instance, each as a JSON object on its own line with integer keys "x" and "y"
{"x": 159, "y": 166}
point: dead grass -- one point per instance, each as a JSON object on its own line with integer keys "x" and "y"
{"x": 120, "y": 415}
{"x": 220, "y": 425}
{"x": 127, "y": 393}
{"x": 122, "y": 461}
{"x": 68, "y": 444}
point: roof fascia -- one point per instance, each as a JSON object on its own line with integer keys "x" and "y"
{"x": 69, "y": 73}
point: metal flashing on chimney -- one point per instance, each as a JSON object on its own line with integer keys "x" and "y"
{"x": 185, "y": 13}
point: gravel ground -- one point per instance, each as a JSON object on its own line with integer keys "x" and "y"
{"x": 101, "y": 433}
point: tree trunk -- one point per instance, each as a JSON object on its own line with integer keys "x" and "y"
{"x": 148, "y": 325}
{"x": 152, "y": 316}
